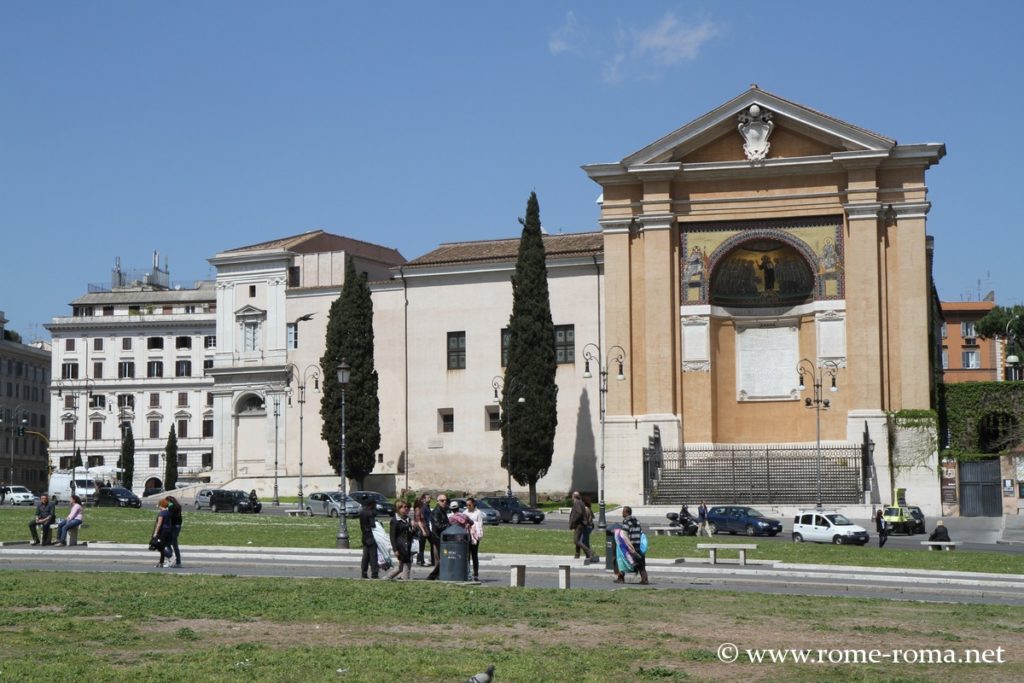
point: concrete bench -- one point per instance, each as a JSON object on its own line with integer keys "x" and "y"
{"x": 564, "y": 511}
{"x": 942, "y": 545}
{"x": 72, "y": 536}
{"x": 664, "y": 530}
{"x": 518, "y": 576}
{"x": 713, "y": 549}
{"x": 292, "y": 512}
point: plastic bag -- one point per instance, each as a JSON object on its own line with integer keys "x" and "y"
{"x": 643, "y": 543}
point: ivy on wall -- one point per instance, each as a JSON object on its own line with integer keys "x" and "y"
{"x": 981, "y": 419}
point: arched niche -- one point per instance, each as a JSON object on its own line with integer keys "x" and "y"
{"x": 762, "y": 272}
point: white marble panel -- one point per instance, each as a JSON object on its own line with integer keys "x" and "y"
{"x": 766, "y": 360}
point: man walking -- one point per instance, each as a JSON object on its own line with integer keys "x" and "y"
{"x": 438, "y": 523}
{"x": 577, "y": 523}
{"x": 44, "y": 517}
{"x": 367, "y": 521}
{"x": 631, "y": 526}
{"x": 702, "y": 518}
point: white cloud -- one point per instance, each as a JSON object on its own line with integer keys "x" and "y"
{"x": 643, "y": 52}
{"x": 566, "y": 38}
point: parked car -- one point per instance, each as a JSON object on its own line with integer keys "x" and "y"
{"x": 116, "y": 496}
{"x": 203, "y": 498}
{"x": 919, "y": 517}
{"x": 385, "y": 508}
{"x": 329, "y": 504}
{"x": 491, "y": 516}
{"x": 827, "y": 526}
{"x": 512, "y": 510}
{"x": 223, "y": 500}
{"x": 737, "y": 519}
{"x": 903, "y": 520}
{"x": 19, "y": 495}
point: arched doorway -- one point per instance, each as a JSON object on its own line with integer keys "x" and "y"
{"x": 152, "y": 486}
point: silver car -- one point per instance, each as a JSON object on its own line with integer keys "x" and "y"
{"x": 203, "y": 499}
{"x": 329, "y": 504}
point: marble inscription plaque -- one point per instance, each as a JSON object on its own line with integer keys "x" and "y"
{"x": 766, "y": 359}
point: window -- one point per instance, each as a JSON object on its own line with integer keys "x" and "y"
{"x": 108, "y": 310}
{"x": 154, "y": 343}
{"x": 168, "y": 310}
{"x": 183, "y": 368}
{"x": 209, "y": 398}
{"x": 126, "y": 401}
{"x": 967, "y": 329}
{"x": 69, "y": 371}
{"x": 493, "y": 419}
{"x": 210, "y": 341}
{"x": 190, "y": 309}
{"x": 126, "y": 343}
{"x": 945, "y": 359}
{"x": 446, "y": 420}
{"x": 154, "y": 458}
{"x": 154, "y": 431}
{"x": 97, "y": 370}
{"x": 293, "y": 276}
{"x": 97, "y": 431}
{"x": 252, "y": 291}
{"x": 134, "y": 310}
{"x": 942, "y": 330}
{"x": 69, "y": 402}
{"x": 97, "y": 344}
{"x": 207, "y": 428}
{"x": 126, "y": 369}
{"x": 251, "y": 336}
{"x": 155, "y": 368}
{"x": 969, "y": 360}
{"x": 69, "y": 431}
{"x": 69, "y": 344}
{"x": 154, "y": 400}
{"x": 208, "y": 364}
{"x": 565, "y": 344}
{"x": 182, "y": 434}
{"x": 293, "y": 335}
{"x": 183, "y": 342}
{"x": 183, "y": 399}
{"x": 208, "y": 460}
{"x": 95, "y": 461}
{"x": 506, "y": 340}
{"x": 456, "y": 350}
{"x": 97, "y": 401}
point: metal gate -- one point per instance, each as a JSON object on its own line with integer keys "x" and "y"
{"x": 980, "y": 495}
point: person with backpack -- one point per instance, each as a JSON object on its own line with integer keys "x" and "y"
{"x": 174, "y": 507}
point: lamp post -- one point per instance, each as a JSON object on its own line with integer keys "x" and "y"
{"x": 75, "y": 394}
{"x": 344, "y": 372}
{"x": 277, "y": 413}
{"x": 514, "y": 387}
{"x": 1012, "y": 359}
{"x": 819, "y": 403}
{"x": 16, "y": 431}
{"x": 616, "y": 354}
{"x": 311, "y": 371}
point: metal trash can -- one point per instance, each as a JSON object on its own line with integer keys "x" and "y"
{"x": 609, "y": 546}
{"x": 454, "y": 554}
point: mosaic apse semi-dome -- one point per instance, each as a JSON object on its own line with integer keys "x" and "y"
{"x": 762, "y": 272}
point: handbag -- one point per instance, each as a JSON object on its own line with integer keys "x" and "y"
{"x": 643, "y": 543}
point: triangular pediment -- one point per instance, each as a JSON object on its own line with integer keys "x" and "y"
{"x": 249, "y": 311}
{"x": 798, "y": 131}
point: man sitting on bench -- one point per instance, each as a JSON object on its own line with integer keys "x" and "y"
{"x": 940, "y": 535}
{"x": 45, "y": 513}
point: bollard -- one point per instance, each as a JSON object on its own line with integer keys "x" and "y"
{"x": 563, "y": 576}
{"x": 518, "y": 576}
{"x": 72, "y": 536}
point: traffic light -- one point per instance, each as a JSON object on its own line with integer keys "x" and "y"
{"x": 20, "y": 431}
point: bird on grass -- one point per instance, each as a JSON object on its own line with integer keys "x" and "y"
{"x": 487, "y": 677}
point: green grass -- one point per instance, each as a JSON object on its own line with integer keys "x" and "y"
{"x": 203, "y": 528}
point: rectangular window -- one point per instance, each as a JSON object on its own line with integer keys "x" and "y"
{"x": 95, "y": 461}
{"x": 69, "y": 431}
{"x": 134, "y": 310}
{"x": 155, "y": 368}
{"x": 208, "y": 458}
{"x": 190, "y": 309}
{"x": 293, "y": 276}
{"x": 446, "y": 420}
{"x": 506, "y": 340}
{"x": 69, "y": 344}
{"x": 292, "y": 331}
{"x": 945, "y": 359}
{"x": 565, "y": 344}
{"x": 251, "y": 336}
{"x": 182, "y": 433}
{"x": 69, "y": 371}
{"x": 942, "y": 330}
{"x": 210, "y": 341}
{"x": 97, "y": 370}
{"x": 207, "y": 428}
{"x": 970, "y": 360}
{"x": 456, "y": 350}
{"x": 126, "y": 401}
{"x": 154, "y": 400}
{"x": 252, "y": 291}
{"x": 154, "y": 458}
{"x": 967, "y": 329}
{"x": 126, "y": 343}
{"x": 97, "y": 344}
{"x": 183, "y": 342}
{"x": 154, "y": 430}
{"x": 97, "y": 431}
{"x": 209, "y": 398}
{"x": 154, "y": 343}
{"x": 493, "y": 418}
{"x": 183, "y": 399}
{"x": 183, "y": 368}
{"x": 208, "y": 364}
{"x": 126, "y": 369}
{"x": 98, "y": 401}
{"x": 108, "y": 310}
{"x": 168, "y": 310}
{"x": 69, "y": 402}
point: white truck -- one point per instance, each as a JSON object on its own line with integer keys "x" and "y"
{"x": 86, "y": 482}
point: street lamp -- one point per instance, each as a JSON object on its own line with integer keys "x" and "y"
{"x": 311, "y": 371}
{"x": 514, "y": 387}
{"x": 1011, "y": 359}
{"x": 277, "y": 413}
{"x": 344, "y": 372}
{"x": 616, "y": 354}
{"x": 831, "y": 369}
{"x": 75, "y": 394}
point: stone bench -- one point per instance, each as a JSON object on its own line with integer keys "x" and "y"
{"x": 292, "y": 512}
{"x": 664, "y": 530}
{"x": 942, "y": 545}
{"x": 564, "y": 511}
{"x": 713, "y": 549}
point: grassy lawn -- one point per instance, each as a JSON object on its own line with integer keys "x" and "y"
{"x": 203, "y": 528}
{"x": 163, "y": 627}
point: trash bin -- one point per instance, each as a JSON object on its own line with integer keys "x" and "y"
{"x": 454, "y": 554}
{"x": 609, "y": 546}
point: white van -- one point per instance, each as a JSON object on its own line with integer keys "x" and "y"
{"x": 827, "y": 526}
{"x": 86, "y": 485}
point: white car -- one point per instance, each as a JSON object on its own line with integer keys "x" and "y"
{"x": 827, "y": 526}
{"x": 19, "y": 495}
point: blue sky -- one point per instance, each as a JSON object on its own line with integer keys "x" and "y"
{"x": 194, "y": 127}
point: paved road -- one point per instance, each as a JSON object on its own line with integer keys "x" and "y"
{"x": 542, "y": 572}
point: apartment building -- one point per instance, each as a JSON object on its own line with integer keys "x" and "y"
{"x": 24, "y": 410}
{"x": 965, "y": 356}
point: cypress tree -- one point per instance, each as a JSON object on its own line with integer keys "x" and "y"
{"x": 127, "y": 459}
{"x": 350, "y": 338}
{"x": 77, "y": 462}
{"x": 531, "y": 361}
{"x": 171, "y": 470}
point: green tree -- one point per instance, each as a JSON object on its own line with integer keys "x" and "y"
{"x": 531, "y": 361}
{"x": 77, "y": 462}
{"x": 350, "y": 338}
{"x": 171, "y": 453}
{"x": 127, "y": 460}
{"x": 1000, "y": 320}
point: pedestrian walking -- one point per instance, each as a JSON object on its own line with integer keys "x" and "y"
{"x": 161, "y": 541}
{"x": 421, "y": 518}
{"x": 74, "y": 519}
{"x": 45, "y": 514}
{"x": 175, "y": 509}
{"x": 576, "y": 517}
{"x": 703, "y": 528}
{"x": 631, "y": 534}
{"x": 588, "y": 526}
{"x": 476, "y": 534}
{"x": 401, "y": 542}
{"x": 438, "y": 523}
{"x": 882, "y": 527}
{"x": 367, "y": 520}
{"x": 3, "y": 492}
